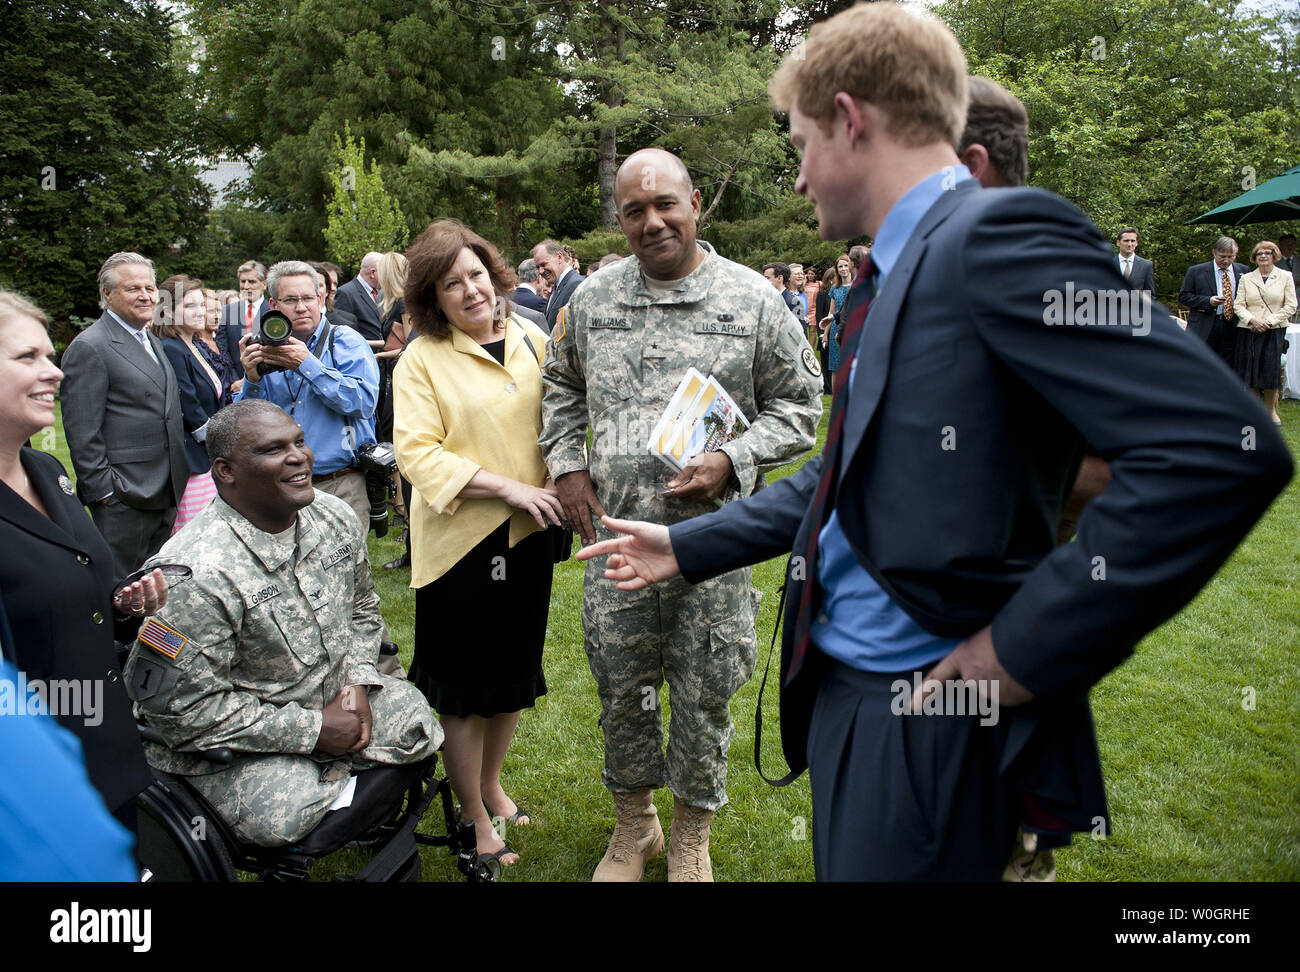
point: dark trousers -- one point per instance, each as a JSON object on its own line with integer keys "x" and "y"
{"x": 904, "y": 797}
{"x": 128, "y": 816}
{"x": 824, "y": 354}
{"x": 133, "y": 535}
{"x": 1222, "y": 340}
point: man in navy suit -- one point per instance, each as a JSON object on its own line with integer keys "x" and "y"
{"x": 525, "y": 294}
{"x": 1139, "y": 272}
{"x": 360, "y": 298}
{"x": 924, "y": 535}
{"x": 778, "y": 275}
{"x": 564, "y": 279}
{"x": 240, "y": 317}
{"x": 1207, "y": 292}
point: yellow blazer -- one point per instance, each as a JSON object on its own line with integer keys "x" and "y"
{"x": 1271, "y": 300}
{"x": 455, "y": 411}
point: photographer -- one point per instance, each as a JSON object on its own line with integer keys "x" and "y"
{"x": 325, "y": 377}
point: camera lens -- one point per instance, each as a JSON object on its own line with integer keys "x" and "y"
{"x": 275, "y": 328}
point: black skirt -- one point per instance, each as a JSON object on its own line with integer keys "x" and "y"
{"x": 1258, "y": 357}
{"x": 480, "y": 627}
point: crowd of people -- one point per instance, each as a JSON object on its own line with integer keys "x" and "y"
{"x": 518, "y": 402}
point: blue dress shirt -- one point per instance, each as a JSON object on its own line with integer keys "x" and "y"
{"x": 858, "y": 623}
{"x": 331, "y": 395}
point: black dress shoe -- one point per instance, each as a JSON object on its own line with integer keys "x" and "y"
{"x": 402, "y": 561}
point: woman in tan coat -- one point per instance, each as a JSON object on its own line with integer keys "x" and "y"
{"x": 1265, "y": 301}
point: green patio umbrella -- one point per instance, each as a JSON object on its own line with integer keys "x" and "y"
{"x": 1277, "y": 199}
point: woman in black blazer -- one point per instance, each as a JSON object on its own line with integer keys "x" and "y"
{"x": 200, "y": 386}
{"x": 56, "y": 575}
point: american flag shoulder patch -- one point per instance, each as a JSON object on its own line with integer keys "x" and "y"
{"x": 161, "y": 638}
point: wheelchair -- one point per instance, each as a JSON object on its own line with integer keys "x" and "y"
{"x": 181, "y": 838}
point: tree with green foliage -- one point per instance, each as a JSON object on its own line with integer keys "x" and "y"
{"x": 1145, "y": 112}
{"x": 93, "y": 149}
{"x": 431, "y": 89}
{"x": 362, "y": 217}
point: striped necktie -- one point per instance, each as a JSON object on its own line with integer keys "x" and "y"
{"x": 856, "y": 305}
{"x": 143, "y": 338}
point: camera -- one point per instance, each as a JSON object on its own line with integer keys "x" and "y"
{"x": 378, "y": 463}
{"x": 274, "y": 329}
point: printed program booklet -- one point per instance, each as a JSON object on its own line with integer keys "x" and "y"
{"x": 700, "y": 417}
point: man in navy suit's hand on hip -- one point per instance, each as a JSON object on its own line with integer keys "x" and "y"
{"x": 939, "y": 648}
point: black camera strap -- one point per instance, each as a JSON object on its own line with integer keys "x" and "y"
{"x": 523, "y": 333}
{"x": 327, "y": 334}
{"x": 758, "y": 708}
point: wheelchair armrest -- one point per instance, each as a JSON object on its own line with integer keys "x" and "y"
{"x": 222, "y": 754}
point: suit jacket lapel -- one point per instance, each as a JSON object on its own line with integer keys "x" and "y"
{"x": 169, "y": 376}
{"x": 871, "y": 363}
{"x": 133, "y": 352}
{"x": 57, "y": 528}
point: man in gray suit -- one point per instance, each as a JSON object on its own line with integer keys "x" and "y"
{"x": 122, "y": 416}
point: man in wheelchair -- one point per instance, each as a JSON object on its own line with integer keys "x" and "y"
{"x": 269, "y": 648}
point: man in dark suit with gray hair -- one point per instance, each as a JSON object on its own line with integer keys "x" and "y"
{"x": 122, "y": 416}
{"x": 526, "y": 293}
{"x": 1207, "y": 292}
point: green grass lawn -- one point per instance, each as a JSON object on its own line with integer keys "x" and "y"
{"x": 1201, "y": 787}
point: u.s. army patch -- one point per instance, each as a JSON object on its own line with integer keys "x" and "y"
{"x": 810, "y": 362}
{"x": 561, "y": 326}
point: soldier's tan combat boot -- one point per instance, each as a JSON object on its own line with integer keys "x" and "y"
{"x": 688, "y": 845}
{"x": 637, "y": 838}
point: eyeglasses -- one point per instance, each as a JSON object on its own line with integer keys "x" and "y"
{"x": 295, "y": 301}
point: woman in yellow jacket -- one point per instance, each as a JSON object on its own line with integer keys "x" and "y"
{"x": 467, "y": 413}
{"x": 1265, "y": 301}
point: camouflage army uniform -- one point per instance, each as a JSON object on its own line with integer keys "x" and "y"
{"x": 266, "y": 633}
{"x": 614, "y": 360}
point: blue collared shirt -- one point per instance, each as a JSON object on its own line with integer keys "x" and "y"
{"x": 332, "y": 395}
{"x": 859, "y": 623}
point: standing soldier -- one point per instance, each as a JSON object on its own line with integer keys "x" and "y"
{"x": 616, "y": 355}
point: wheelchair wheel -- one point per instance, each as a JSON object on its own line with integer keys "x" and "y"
{"x": 180, "y": 839}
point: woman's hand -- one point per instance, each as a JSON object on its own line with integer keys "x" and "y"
{"x": 541, "y": 502}
{"x": 146, "y": 596}
{"x": 1259, "y": 326}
